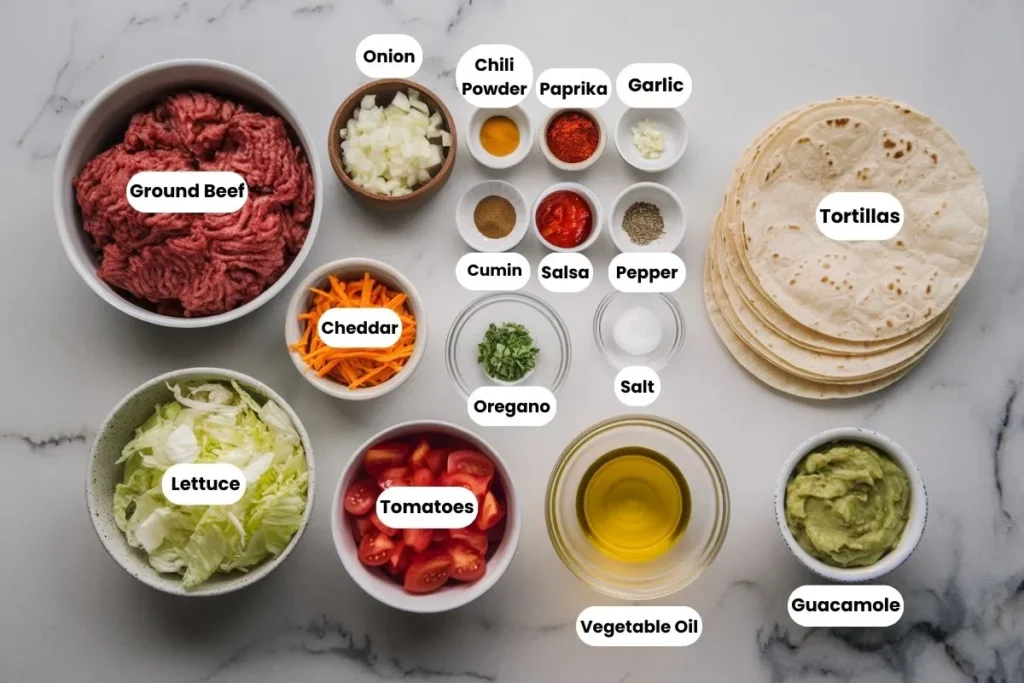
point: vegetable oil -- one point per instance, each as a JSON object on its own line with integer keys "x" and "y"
{"x": 633, "y": 504}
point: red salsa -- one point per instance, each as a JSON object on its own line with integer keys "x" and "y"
{"x": 564, "y": 219}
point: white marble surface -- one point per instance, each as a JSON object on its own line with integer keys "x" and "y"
{"x": 67, "y": 613}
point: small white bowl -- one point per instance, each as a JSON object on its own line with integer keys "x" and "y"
{"x": 476, "y": 122}
{"x": 542, "y": 141}
{"x": 103, "y": 475}
{"x": 467, "y": 205}
{"x": 672, "y": 211}
{"x": 384, "y": 588}
{"x": 911, "y": 533}
{"x": 347, "y": 269}
{"x": 595, "y": 210}
{"x": 103, "y": 120}
{"x": 671, "y": 122}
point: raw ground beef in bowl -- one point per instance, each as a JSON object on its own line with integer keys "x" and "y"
{"x": 196, "y": 265}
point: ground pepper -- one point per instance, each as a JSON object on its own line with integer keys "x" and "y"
{"x": 643, "y": 223}
{"x": 572, "y": 137}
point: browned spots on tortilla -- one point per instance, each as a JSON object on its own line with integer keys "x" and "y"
{"x": 890, "y": 286}
{"x": 928, "y": 313}
{"x": 775, "y": 256}
{"x": 935, "y": 158}
{"x": 792, "y": 282}
{"x": 899, "y": 243}
{"x": 888, "y": 323}
{"x": 824, "y": 278}
{"x": 928, "y": 289}
{"x": 899, "y": 291}
{"x": 898, "y": 154}
{"x": 802, "y": 140}
{"x": 909, "y": 146}
{"x": 826, "y": 266}
{"x": 888, "y": 144}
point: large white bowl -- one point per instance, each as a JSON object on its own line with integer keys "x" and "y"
{"x": 347, "y": 269}
{"x": 102, "y": 122}
{"x": 384, "y": 588}
{"x": 911, "y": 533}
{"x": 103, "y": 475}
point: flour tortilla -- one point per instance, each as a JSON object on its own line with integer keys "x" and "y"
{"x": 859, "y": 291}
{"x": 771, "y": 375}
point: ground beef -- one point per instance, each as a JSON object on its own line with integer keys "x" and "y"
{"x": 198, "y": 264}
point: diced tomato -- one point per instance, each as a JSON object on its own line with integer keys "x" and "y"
{"x": 361, "y": 496}
{"x": 418, "y": 539}
{"x": 467, "y": 563}
{"x": 394, "y": 476}
{"x": 471, "y": 536}
{"x": 385, "y": 455}
{"x": 427, "y": 572}
{"x": 375, "y": 549}
{"x": 440, "y": 536}
{"x": 471, "y": 462}
{"x": 437, "y": 460}
{"x": 362, "y": 526}
{"x": 490, "y": 512}
{"x": 478, "y": 485}
{"x": 418, "y": 458}
{"x": 399, "y": 560}
{"x": 381, "y": 526}
{"x": 422, "y": 477}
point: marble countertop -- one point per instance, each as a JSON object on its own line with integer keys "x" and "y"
{"x": 67, "y": 613}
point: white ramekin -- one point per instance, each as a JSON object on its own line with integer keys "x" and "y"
{"x": 911, "y": 533}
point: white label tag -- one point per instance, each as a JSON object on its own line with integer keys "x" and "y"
{"x": 485, "y": 272}
{"x": 639, "y": 626}
{"x": 659, "y": 86}
{"x": 208, "y": 483}
{"x": 565, "y": 272}
{"x": 359, "y": 328}
{"x": 859, "y": 216}
{"x": 845, "y": 606}
{"x": 637, "y": 386}
{"x": 512, "y": 406}
{"x": 186, "y": 192}
{"x": 573, "y": 88}
{"x": 495, "y": 76}
{"x": 647, "y": 272}
{"x": 427, "y": 507}
{"x": 389, "y": 55}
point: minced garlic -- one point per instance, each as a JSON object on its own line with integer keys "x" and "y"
{"x": 648, "y": 139}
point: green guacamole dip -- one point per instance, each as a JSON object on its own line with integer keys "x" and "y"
{"x": 847, "y": 504}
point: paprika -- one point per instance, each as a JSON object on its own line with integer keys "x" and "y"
{"x": 572, "y": 137}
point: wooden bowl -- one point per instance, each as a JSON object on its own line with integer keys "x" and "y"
{"x": 385, "y": 90}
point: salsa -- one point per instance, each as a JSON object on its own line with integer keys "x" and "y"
{"x": 564, "y": 219}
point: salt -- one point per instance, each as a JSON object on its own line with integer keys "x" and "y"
{"x": 638, "y": 331}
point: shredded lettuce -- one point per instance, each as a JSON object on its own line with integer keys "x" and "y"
{"x": 213, "y": 422}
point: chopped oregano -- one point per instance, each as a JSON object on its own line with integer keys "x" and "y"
{"x": 507, "y": 352}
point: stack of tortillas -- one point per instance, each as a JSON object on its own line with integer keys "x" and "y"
{"x": 820, "y": 318}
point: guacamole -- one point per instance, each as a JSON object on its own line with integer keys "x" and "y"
{"x": 847, "y": 504}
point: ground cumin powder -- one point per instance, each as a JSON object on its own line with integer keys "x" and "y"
{"x": 494, "y": 217}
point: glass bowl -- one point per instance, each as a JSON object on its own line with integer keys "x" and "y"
{"x": 695, "y": 550}
{"x": 663, "y": 306}
{"x": 545, "y": 325}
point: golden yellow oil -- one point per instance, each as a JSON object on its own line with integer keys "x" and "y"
{"x": 633, "y": 504}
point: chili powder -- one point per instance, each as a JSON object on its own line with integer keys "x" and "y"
{"x": 572, "y": 137}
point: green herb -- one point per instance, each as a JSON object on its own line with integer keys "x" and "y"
{"x": 507, "y": 352}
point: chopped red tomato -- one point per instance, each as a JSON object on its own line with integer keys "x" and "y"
{"x": 361, "y": 527}
{"x": 422, "y": 477}
{"x": 418, "y": 458}
{"x": 383, "y": 456}
{"x": 381, "y": 526}
{"x": 478, "y": 485}
{"x": 471, "y": 536}
{"x": 437, "y": 460}
{"x": 361, "y": 496}
{"x": 399, "y": 560}
{"x": 467, "y": 563}
{"x": 375, "y": 549}
{"x": 418, "y": 539}
{"x": 490, "y": 512}
{"x": 427, "y": 572}
{"x": 394, "y": 476}
{"x": 471, "y": 462}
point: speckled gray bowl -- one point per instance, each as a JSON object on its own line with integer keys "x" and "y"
{"x": 103, "y": 475}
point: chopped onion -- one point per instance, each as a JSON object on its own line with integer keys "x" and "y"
{"x": 391, "y": 150}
